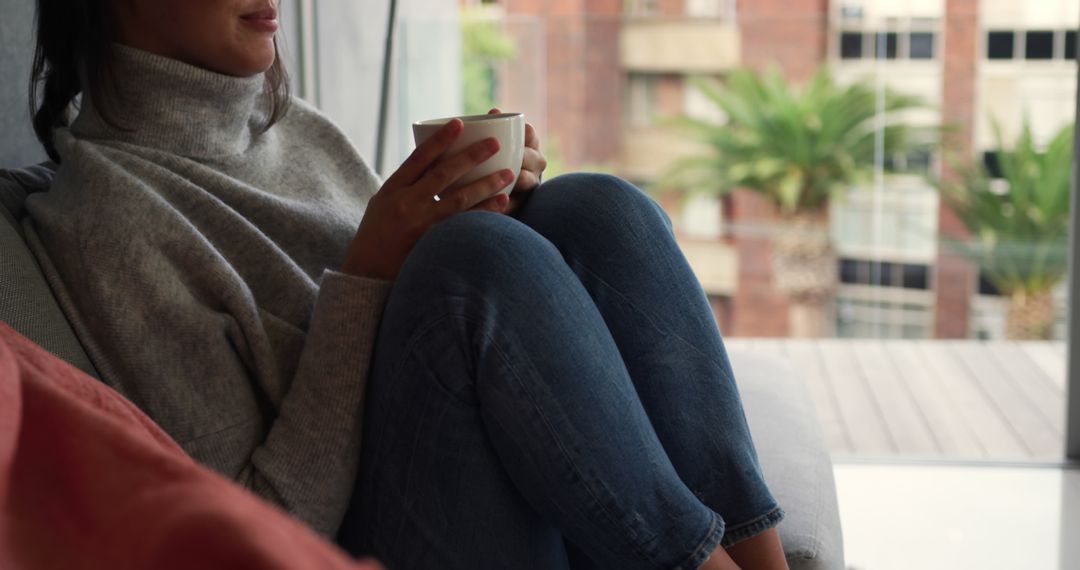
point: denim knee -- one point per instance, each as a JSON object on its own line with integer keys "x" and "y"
{"x": 594, "y": 197}
{"x": 483, "y": 249}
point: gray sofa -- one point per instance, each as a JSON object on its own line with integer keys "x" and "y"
{"x": 781, "y": 415}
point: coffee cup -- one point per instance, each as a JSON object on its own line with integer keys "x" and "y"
{"x": 508, "y": 128}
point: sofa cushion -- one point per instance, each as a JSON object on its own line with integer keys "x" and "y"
{"x": 17, "y": 184}
{"x": 27, "y": 302}
{"x": 794, "y": 459}
{"x": 89, "y": 481}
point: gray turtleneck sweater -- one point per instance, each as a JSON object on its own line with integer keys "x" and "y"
{"x": 195, "y": 257}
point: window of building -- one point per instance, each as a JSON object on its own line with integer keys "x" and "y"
{"x": 1039, "y": 45}
{"x": 851, "y": 45}
{"x": 641, "y": 7}
{"x": 914, "y": 162}
{"x": 992, "y": 164}
{"x": 1000, "y": 44}
{"x": 861, "y": 314}
{"x": 701, "y": 215}
{"x": 706, "y": 8}
{"x": 899, "y": 225}
{"x": 641, "y": 99}
{"x": 1070, "y": 44}
{"x": 888, "y": 42}
{"x": 921, "y": 45}
{"x": 851, "y": 12}
{"x": 986, "y": 287}
{"x": 884, "y": 274}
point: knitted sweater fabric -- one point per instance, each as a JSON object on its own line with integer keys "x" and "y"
{"x": 195, "y": 256}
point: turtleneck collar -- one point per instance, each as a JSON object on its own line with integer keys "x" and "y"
{"x": 176, "y": 107}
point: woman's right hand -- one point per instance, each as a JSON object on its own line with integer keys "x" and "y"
{"x": 406, "y": 205}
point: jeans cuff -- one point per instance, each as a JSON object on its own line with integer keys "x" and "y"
{"x": 706, "y": 546}
{"x": 749, "y": 529}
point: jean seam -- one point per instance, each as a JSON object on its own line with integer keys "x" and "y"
{"x": 416, "y": 337}
{"x": 649, "y": 318}
{"x": 501, "y": 354}
{"x": 562, "y": 448}
{"x": 752, "y": 527}
{"x": 706, "y": 546}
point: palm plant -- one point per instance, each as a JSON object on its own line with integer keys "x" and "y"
{"x": 1019, "y": 226}
{"x": 798, "y": 148}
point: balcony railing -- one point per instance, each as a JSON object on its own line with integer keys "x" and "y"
{"x": 682, "y": 45}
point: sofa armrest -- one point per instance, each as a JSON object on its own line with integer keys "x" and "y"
{"x": 794, "y": 458}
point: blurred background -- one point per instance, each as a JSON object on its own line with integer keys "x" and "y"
{"x": 875, "y": 190}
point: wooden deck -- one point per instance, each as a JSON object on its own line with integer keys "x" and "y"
{"x": 932, "y": 399}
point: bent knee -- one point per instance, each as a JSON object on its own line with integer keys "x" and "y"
{"x": 594, "y": 198}
{"x": 478, "y": 243}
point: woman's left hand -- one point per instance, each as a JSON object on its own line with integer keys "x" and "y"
{"x": 533, "y": 164}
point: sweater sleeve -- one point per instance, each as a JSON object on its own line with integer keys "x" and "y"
{"x": 172, "y": 323}
{"x": 308, "y": 462}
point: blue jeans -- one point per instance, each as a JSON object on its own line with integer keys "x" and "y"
{"x": 551, "y": 391}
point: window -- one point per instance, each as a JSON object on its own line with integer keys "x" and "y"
{"x": 986, "y": 287}
{"x": 705, "y": 8}
{"x": 992, "y": 164}
{"x": 851, "y": 45}
{"x": 641, "y": 99}
{"x": 1070, "y": 44}
{"x": 899, "y": 225}
{"x": 889, "y": 41}
{"x": 884, "y": 274}
{"x": 861, "y": 314}
{"x": 999, "y": 44}
{"x": 1039, "y": 45}
{"x": 914, "y": 162}
{"x": 701, "y": 216}
{"x": 640, "y": 7}
{"x": 921, "y": 45}
{"x": 917, "y": 161}
{"x": 851, "y": 13}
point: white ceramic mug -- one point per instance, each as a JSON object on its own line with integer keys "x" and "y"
{"x": 508, "y": 128}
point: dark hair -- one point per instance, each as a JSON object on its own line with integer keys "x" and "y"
{"x": 74, "y": 41}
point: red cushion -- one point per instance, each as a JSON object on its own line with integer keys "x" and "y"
{"x": 89, "y": 481}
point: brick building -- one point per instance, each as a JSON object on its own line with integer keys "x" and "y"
{"x": 606, "y": 70}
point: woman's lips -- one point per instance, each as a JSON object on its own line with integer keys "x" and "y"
{"x": 263, "y": 20}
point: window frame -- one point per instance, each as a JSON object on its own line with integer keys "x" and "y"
{"x": 1072, "y": 364}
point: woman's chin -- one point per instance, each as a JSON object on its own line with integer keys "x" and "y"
{"x": 254, "y": 63}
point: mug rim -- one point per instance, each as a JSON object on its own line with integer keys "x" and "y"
{"x": 466, "y": 119}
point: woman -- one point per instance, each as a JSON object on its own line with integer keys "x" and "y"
{"x": 539, "y": 390}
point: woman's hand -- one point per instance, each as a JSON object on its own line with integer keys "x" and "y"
{"x": 533, "y": 164}
{"x": 406, "y": 205}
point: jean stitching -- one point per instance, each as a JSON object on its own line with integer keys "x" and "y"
{"x": 416, "y": 337}
{"x": 752, "y": 527}
{"x": 562, "y": 448}
{"x": 422, "y": 331}
{"x": 710, "y": 542}
{"x": 650, "y": 319}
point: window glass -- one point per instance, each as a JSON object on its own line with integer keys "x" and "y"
{"x": 851, "y": 45}
{"x": 640, "y": 7}
{"x": 990, "y": 162}
{"x": 999, "y": 44}
{"x": 922, "y": 45}
{"x": 890, "y": 41}
{"x": 1039, "y": 45}
{"x": 904, "y": 254}
{"x": 641, "y": 99}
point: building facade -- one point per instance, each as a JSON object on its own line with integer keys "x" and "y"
{"x": 613, "y": 70}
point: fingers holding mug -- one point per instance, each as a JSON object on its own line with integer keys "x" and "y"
{"x": 483, "y": 194}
